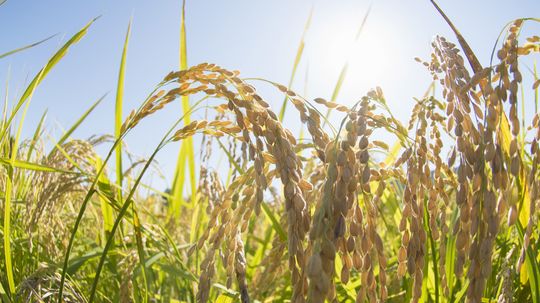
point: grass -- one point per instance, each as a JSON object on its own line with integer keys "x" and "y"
{"x": 337, "y": 216}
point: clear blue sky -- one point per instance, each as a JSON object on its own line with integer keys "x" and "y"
{"x": 259, "y": 38}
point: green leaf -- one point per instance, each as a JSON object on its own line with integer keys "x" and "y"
{"x": 77, "y": 123}
{"x": 32, "y": 166}
{"x": 275, "y": 223}
{"x": 118, "y": 112}
{"x": 297, "y": 59}
{"x": 186, "y": 153}
{"x": 20, "y": 49}
{"x": 43, "y": 73}
{"x": 37, "y": 134}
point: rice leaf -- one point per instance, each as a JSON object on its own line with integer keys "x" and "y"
{"x": 43, "y": 73}
{"x": 76, "y": 125}
{"x": 118, "y": 112}
{"x": 186, "y": 153}
{"x": 32, "y": 166}
{"x": 297, "y": 59}
{"x": 20, "y": 49}
{"x": 35, "y": 138}
{"x": 8, "y": 191}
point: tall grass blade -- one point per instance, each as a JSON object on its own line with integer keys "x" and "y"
{"x": 7, "y": 200}
{"x": 32, "y": 166}
{"x": 186, "y": 153}
{"x": 297, "y": 59}
{"x": 76, "y": 125}
{"x": 535, "y": 90}
{"x": 178, "y": 183}
{"x": 37, "y": 135}
{"x": 106, "y": 208}
{"x": 7, "y": 230}
{"x": 118, "y": 112}
{"x": 43, "y": 73}
{"x": 186, "y": 107}
{"x": 20, "y": 49}
{"x": 343, "y": 72}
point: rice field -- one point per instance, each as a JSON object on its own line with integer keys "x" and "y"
{"x": 447, "y": 211}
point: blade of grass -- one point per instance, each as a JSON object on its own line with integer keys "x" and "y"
{"x": 106, "y": 208}
{"x": 535, "y": 90}
{"x": 76, "y": 125}
{"x": 118, "y": 112}
{"x": 7, "y": 230}
{"x": 178, "y": 183}
{"x": 343, "y": 72}
{"x": 297, "y": 59}
{"x": 186, "y": 153}
{"x": 6, "y": 95}
{"x": 275, "y": 223}
{"x": 43, "y": 73}
{"x": 20, "y": 49}
{"x": 3, "y": 294}
{"x": 32, "y": 166}
{"x": 35, "y": 138}
{"x": 8, "y": 193}
{"x": 179, "y": 177}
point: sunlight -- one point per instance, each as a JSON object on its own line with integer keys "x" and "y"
{"x": 368, "y": 57}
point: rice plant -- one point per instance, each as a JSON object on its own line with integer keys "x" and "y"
{"x": 446, "y": 213}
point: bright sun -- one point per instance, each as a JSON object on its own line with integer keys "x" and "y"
{"x": 367, "y": 55}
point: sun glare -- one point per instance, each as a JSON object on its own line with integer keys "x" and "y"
{"x": 367, "y": 56}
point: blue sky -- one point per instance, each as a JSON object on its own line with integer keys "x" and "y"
{"x": 259, "y": 38}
